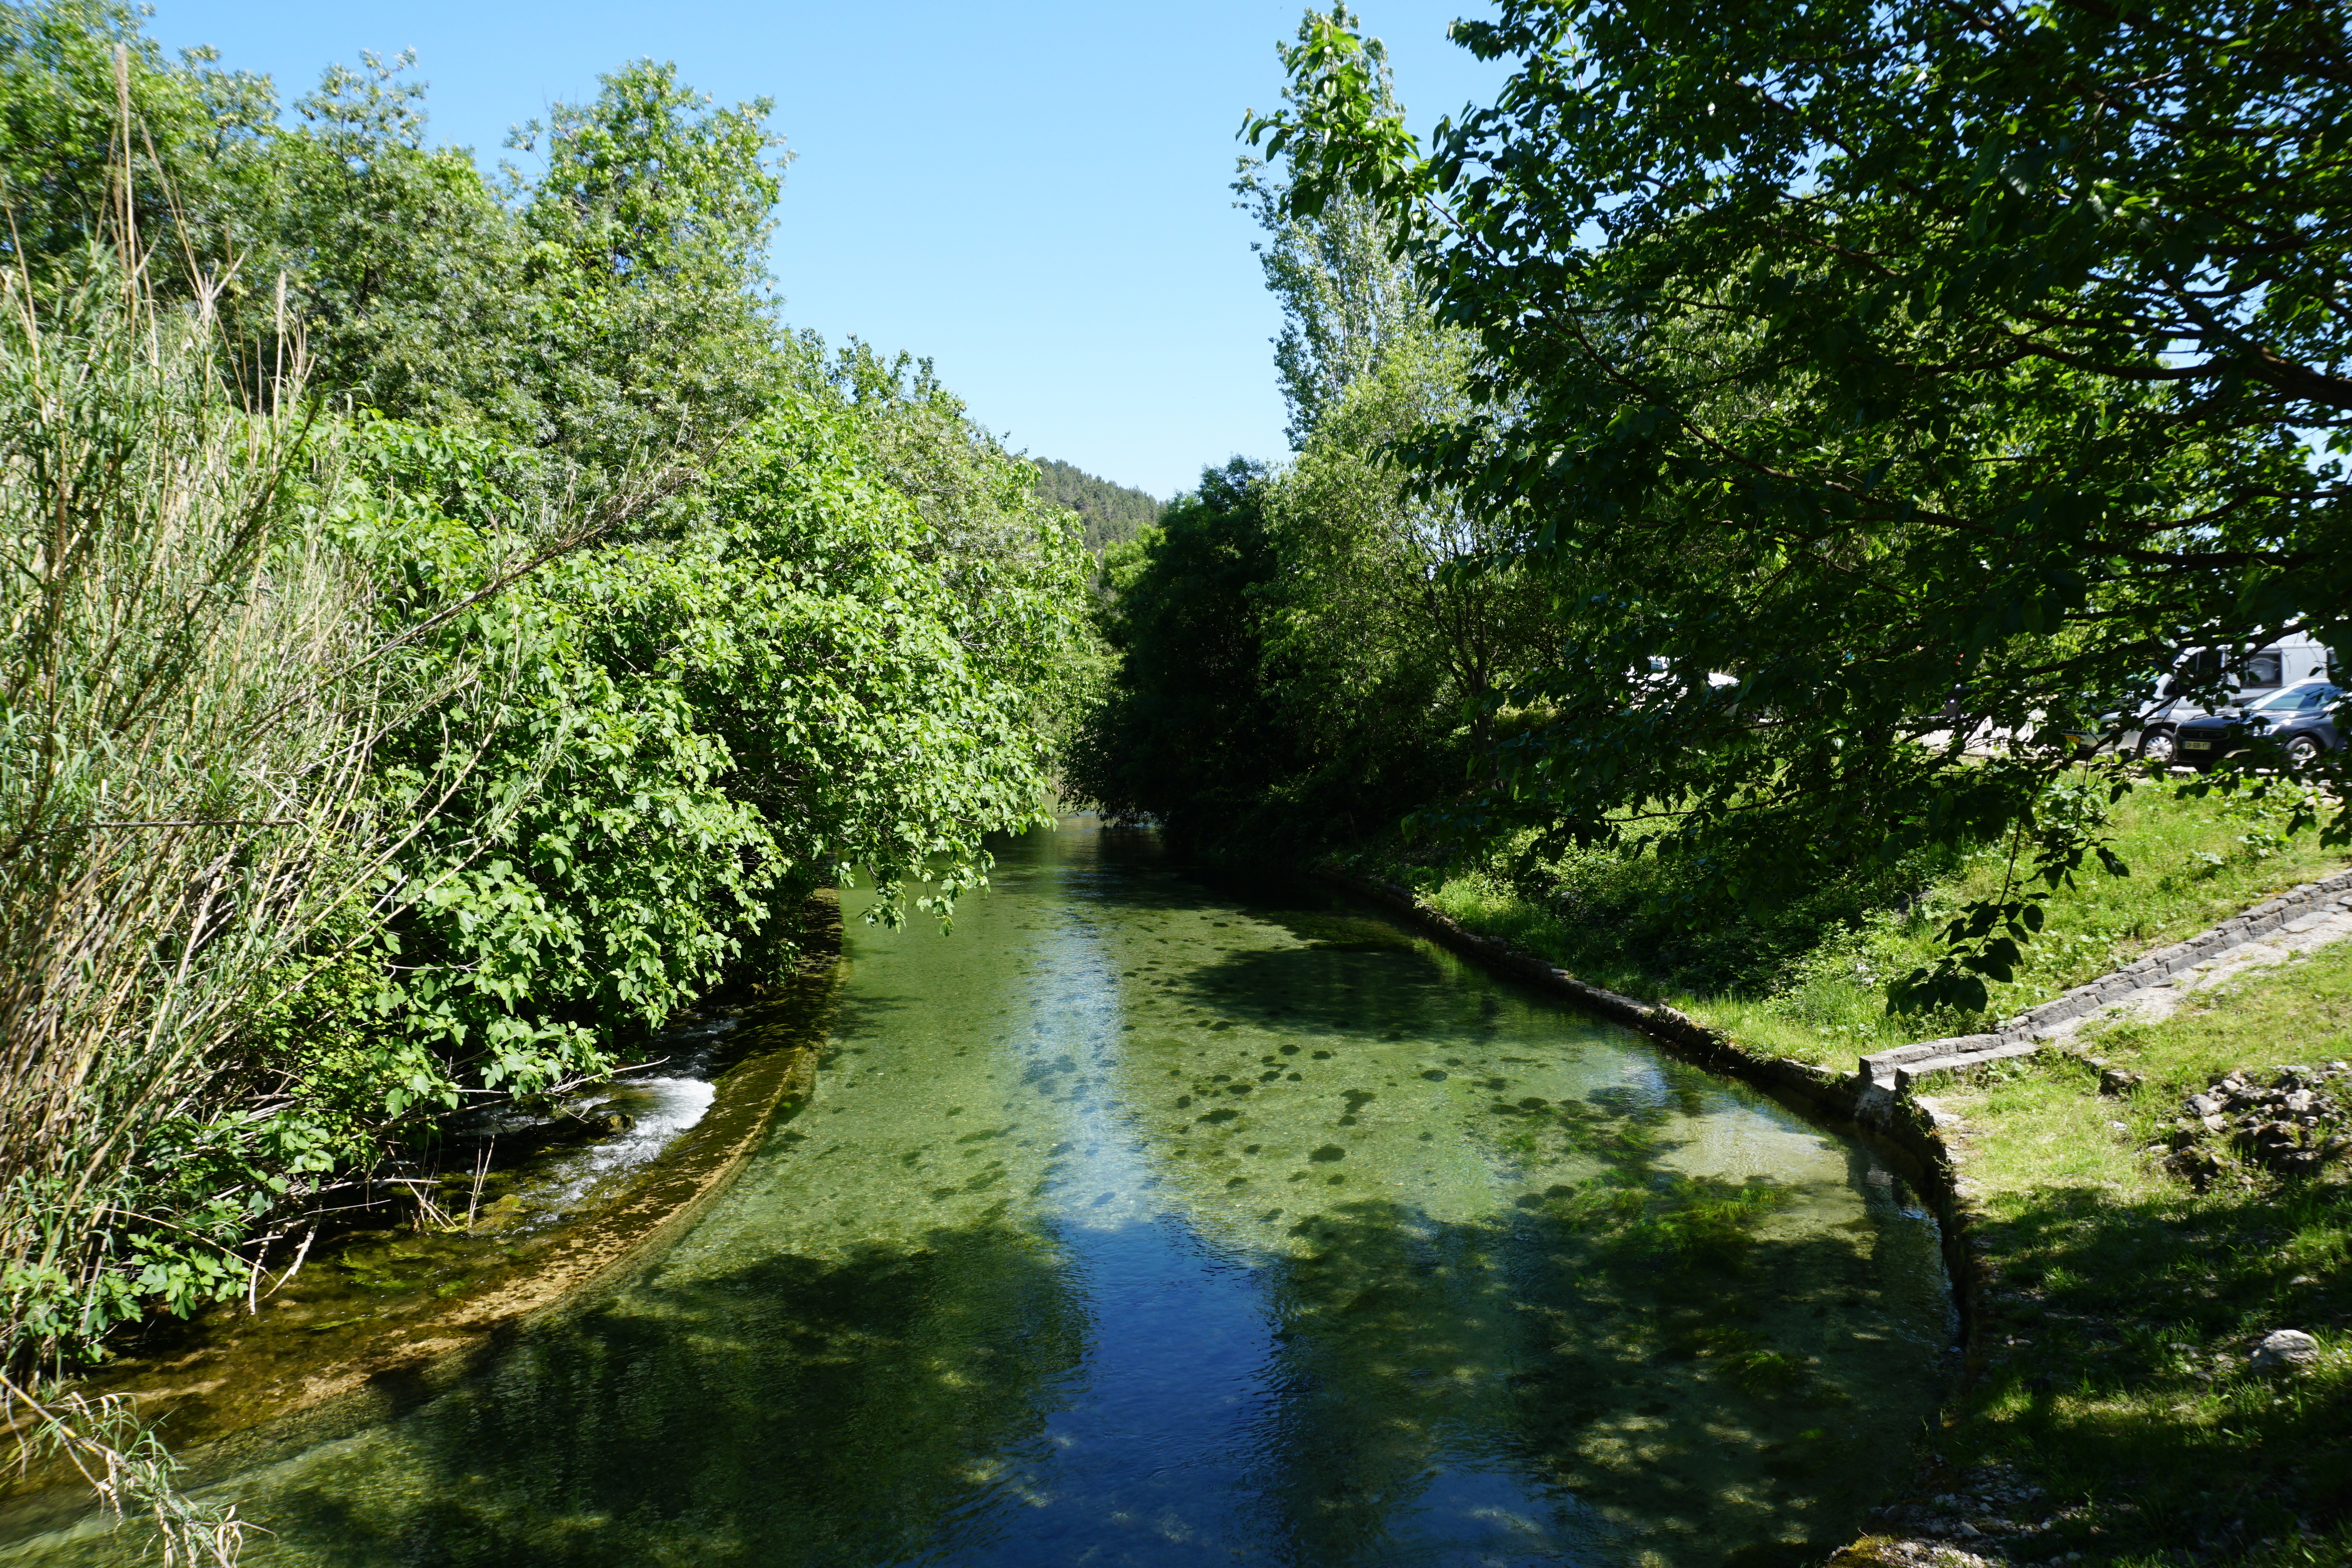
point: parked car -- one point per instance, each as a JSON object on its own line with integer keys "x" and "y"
{"x": 2300, "y": 721}
{"x": 2153, "y": 732}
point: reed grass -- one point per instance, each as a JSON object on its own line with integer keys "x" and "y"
{"x": 184, "y": 784}
{"x": 191, "y": 688}
{"x": 183, "y": 780}
{"x": 198, "y": 664}
{"x": 133, "y": 1474}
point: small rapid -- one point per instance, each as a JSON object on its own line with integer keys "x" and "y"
{"x": 650, "y": 1108}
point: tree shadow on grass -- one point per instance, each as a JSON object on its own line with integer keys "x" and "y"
{"x": 2113, "y": 1343}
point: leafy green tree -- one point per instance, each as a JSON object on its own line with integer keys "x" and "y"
{"x": 185, "y": 181}
{"x": 1346, "y": 620}
{"x": 1346, "y": 296}
{"x": 619, "y": 620}
{"x": 1190, "y": 732}
{"x": 404, "y": 273}
{"x": 1904, "y": 380}
{"x": 700, "y": 728}
{"x": 1390, "y": 604}
{"x": 1015, "y": 561}
{"x": 648, "y": 235}
{"x": 616, "y": 308}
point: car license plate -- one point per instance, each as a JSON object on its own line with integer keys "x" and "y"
{"x": 2196, "y": 746}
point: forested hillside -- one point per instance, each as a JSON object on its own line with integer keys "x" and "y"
{"x": 449, "y": 629}
{"x": 1113, "y": 513}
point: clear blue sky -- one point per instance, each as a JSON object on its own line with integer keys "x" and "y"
{"x": 1034, "y": 196}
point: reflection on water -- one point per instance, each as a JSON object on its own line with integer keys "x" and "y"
{"x": 1133, "y": 1224}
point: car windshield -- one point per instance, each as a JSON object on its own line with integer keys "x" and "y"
{"x": 2298, "y": 699}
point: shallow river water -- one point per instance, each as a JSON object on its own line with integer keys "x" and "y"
{"x": 1136, "y": 1222}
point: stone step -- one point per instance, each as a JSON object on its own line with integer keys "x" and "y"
{"x": 2298, "y": 911}
{"x": 1911, "y": 1073}
{"x": 1879, "y": 1066}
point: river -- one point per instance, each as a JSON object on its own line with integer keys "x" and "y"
{"x": 1140, "y": 1222}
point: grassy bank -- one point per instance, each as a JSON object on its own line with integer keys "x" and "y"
{"x": 2113, "y": 1415}
{"x": 1809, "y": 980}
{"x": 2121, "y": 1307}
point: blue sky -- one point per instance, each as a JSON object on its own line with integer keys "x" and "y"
{"x": 1034, "y": 196}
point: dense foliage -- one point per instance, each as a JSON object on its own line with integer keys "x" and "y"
{"x": 1188, "y": 733}
{"x": 1887, "y": 388}
{"x": 510, "y": 624}
{"x": 1301, "y": 660}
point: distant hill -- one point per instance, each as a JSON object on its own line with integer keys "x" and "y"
{"x": 1113, "y": 513}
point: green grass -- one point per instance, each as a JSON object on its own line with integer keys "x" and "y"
{"x": 1813, "y": 984}
{"x": 2110, "y": 1287}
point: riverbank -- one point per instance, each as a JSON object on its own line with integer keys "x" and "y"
{"x": 2116, "y": 1292}
{"x": 1808, "y": 981}
{"x": 2118, "y": 1391}
{"x": 380, "y": 1319}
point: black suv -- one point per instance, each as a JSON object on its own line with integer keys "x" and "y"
{"x": 2300, "y": 721}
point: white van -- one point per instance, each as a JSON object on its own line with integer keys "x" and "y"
{"x": 2293, "y": 657}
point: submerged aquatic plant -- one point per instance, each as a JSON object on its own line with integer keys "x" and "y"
{"x": 1748, "y": 1358}
{"x": 130, "y": 1471}
{"x": 1537, "y": 1132}
{"x": 1680, "y": 1220}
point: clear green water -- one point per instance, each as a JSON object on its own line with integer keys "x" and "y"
{"x": 1135, "y": 1223}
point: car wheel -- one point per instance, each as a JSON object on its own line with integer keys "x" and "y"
{"x": 2157, "y": 748}
{"x": 2302, "y": 751}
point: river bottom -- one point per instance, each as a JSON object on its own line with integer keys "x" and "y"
{"x": 1138, "y": 1223}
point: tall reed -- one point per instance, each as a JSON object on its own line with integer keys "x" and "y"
{"x": 186, "y": 713}
{"x": 183, "y": 760}
{"x": 196, "y": 668}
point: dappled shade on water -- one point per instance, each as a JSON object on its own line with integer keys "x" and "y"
{"x": 1141, "y": 1222}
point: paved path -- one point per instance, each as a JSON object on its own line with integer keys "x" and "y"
{"x": 2162, "y": 999}
{"x": 2152, "y": 986}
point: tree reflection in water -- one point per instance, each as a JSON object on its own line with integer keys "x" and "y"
{"x": 1139, "y": 1222}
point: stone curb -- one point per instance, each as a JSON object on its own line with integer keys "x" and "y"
{"x": 1897, "y": 1069}
{"x": 1894, "y": 1125}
